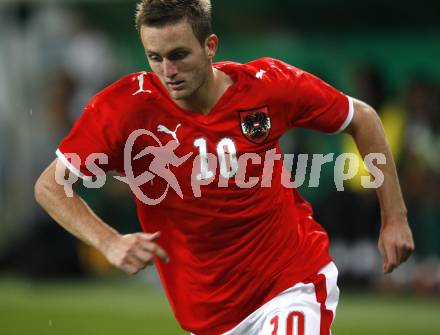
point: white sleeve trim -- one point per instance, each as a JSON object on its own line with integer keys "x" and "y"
{"x": 68, "y": 165}
{"x": 349, "y": 116}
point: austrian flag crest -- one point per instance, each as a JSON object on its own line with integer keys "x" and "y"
{"x": 255, "y": 124}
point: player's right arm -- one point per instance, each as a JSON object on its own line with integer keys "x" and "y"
{"x": 130, "y": 253}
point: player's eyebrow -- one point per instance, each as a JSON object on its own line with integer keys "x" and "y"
{"x": 178, "y": 50}
{"x": 150, "y": 52}
{"x": 171, "y": 52}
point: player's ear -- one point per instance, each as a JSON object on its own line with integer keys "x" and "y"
{"x": 211, "y": 44}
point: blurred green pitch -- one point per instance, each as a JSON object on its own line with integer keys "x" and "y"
{"x": 110, "y": 308}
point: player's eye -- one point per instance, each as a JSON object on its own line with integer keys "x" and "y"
{"x": 179, "y": 55}
{"x": 154, "y": 58}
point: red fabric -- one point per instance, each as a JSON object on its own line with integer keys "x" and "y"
{"x": 274, "y": 322}
{"x": 233, "y": 249}
{"x": 290, "y": 320}
{"x": 319, "y": 282}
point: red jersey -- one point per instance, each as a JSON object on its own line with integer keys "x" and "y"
{"x": 231, "y": 249}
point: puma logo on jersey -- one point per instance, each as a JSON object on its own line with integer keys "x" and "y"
{"x": 140, "y": 79}
{"x": 164, "y": 129}
{"x": 260, "y": 74}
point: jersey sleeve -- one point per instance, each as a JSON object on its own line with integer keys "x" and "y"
{"x": 92, "y": 143}
{"x": 311, "y": 102}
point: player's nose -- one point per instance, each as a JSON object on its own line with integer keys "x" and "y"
{"x": 169, "y": 69}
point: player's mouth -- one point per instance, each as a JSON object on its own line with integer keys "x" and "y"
{"x": 176, "y": 85}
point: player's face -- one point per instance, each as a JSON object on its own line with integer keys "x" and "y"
{"x": 176, "y": 56}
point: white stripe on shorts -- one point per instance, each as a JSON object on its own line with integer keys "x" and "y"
{"x": 307, "y": 308}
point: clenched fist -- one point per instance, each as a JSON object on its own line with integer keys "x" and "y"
{"x": 133, "y": 252}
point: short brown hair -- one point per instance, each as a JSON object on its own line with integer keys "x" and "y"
{"x": 158, "y": 13}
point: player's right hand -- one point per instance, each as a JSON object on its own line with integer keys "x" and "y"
{"x": 133, "y": 252}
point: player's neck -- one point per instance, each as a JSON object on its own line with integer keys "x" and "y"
{"x": 209, "y": 93}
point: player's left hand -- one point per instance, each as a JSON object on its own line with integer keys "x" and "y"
{"x": 395, "y": 242}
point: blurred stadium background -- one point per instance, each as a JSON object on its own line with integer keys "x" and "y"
{"x": 54, "y": 55}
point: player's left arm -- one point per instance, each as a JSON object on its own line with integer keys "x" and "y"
{"x": 395, "y": 241}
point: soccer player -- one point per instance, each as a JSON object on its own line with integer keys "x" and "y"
{"x": 238, "y": 258}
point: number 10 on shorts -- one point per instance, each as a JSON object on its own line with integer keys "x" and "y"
{"x": 294, "y": 324}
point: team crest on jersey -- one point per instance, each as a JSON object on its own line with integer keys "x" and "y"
{"x": 255, "y": 124}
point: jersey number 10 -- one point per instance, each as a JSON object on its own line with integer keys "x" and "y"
{"x": 294, "y": 324}
{"x": 226, "y": 171}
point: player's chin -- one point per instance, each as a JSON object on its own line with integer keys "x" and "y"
{"x": 179, "y": 94}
